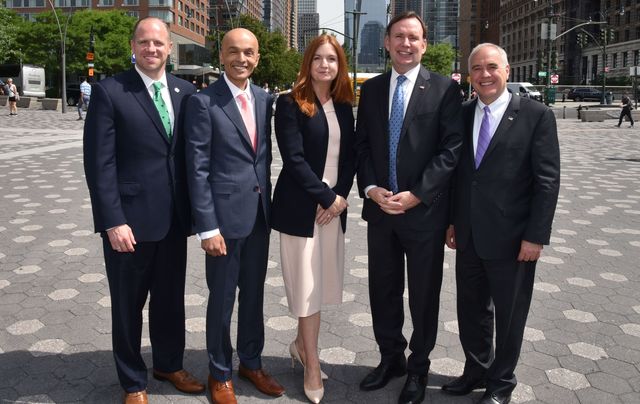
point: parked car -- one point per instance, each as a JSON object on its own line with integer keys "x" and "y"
{"x": 584, "y": 94}
{"x": 73, "y": 94}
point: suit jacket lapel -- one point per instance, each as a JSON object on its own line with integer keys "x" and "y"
{"x": 230, "y": 108}
{"x": 176, "y": 100}
{"x": 141, "y": 94}
{"x": 470, "y": 120}
{"x": 417, "y": 96}
{"x": 384, "y": 106}
{"x": 260, "y": 108}
{"x": 501, "y": 133}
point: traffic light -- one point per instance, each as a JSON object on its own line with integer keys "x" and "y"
{"x": 582, "y": 40}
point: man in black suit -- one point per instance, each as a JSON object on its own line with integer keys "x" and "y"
{"x": 228, "y": 146}
{"x": 134, "y": 165}
{"x": 408, "y": 140}
{"x": 505, "y": 194}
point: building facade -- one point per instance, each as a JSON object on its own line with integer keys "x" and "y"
{"x": 370, "y": 56}
{"x": 607, "y": 47}
{"x": 188, "y": 20}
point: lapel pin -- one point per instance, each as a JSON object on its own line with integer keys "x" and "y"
{"x": 421, "y": 87}
{"x": 510, "y": 118}
{"x": 177, "y": 90}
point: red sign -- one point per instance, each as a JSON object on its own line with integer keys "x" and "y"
{"x": 555, "y": 78}
{"x": 89, "y": 56}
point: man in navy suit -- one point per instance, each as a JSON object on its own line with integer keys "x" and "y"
{"x": 506, "y": 189}
{"x": 228, "y": 146}
{"x": 408, "y": 140}
{"x": 134, "y": 165}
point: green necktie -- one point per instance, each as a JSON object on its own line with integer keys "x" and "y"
{"x": 162, "y": 108}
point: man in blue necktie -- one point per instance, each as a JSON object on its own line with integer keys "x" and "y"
{"x": 506, "y": 189}
{"x": 408, "y": 134}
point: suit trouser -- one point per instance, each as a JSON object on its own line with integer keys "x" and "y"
{"x": 245, "y": 268}
{"x": 488, "y": 290}
{"x": 388, "y": 244}
{"x": 156, "y": 268}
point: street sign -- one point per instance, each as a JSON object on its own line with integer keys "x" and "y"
{"x": 456, "y": 77}
{"x": 91, "y": 72}
{"x": 555, "y": 78}
{"x": 90, "y": 65}
{"x": 542, "y": 74}
{"x": 89, "y": 56}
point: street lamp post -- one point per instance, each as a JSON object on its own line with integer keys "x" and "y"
{"x": 63, "y": 55}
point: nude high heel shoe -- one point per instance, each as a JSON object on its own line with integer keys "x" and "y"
{"x": 295, "y": 356}
{"x": 315, "y": 396}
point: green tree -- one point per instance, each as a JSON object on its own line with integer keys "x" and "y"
{"x": 10, "y": 28}
{"x": 112, "y": 32}
{"x": 439, "y": 58}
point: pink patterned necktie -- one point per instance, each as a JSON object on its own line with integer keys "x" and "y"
{"x": 484, "y": 136}
{"x": 249, "y": 120}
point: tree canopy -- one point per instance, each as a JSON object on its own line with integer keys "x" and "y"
{"x": 111, "y": 29}
{"x": 10, "y": 48}
{"x": 439, "y": 58}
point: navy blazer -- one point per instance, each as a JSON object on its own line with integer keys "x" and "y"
{"x": 512, "y": 195}
{"x": 303, "y": 142}
{"x": 428, "y": 150}
{"x": 227, "y": 179}
{"x": 135, "y": 174}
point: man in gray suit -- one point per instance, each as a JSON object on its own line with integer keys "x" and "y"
{"x": 228, "y": 148}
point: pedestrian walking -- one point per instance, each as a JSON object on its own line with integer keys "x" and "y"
{"x": 12, "y": 92}
{"x": 626, "y": 106}
{"x": 85, "y": 95}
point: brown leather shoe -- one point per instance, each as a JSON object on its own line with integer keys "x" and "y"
{"x": 182, "y": 380}
{"x": 263, "y": 381}
{"x": 139, "y": 397}
{"x": 222, "y": 392}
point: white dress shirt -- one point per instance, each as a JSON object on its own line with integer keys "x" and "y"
{"x": 164, "y": 92}
{"x": 498, "y": 107}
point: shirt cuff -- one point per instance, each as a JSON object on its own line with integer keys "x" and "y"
{"x": 207, "y": 234}
{"x": 367, "y": 189}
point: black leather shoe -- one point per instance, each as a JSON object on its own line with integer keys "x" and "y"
{"x": 463, "y": 385}
{"x": 380, "y": 376}
{"x": 495, "y": 398}
{"x": 413, "y": 390}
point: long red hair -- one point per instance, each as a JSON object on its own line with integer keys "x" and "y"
{"x": 303, "y": 93}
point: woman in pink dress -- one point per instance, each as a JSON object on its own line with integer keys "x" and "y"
{"x": 315, "y": 134}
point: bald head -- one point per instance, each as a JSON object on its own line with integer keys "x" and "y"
{"x": 239, "y": 55}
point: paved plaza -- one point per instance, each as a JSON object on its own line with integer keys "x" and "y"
{"x": 582, "y": 343}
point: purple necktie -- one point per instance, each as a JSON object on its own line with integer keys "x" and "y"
{"x": 484, "y": 136}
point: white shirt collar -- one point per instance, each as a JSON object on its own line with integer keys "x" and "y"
{"x": 412, "y": 74}
{"x": 235, "y": 91}
{"x": 148, "y": 81}
{"x": 498, "y": 104}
